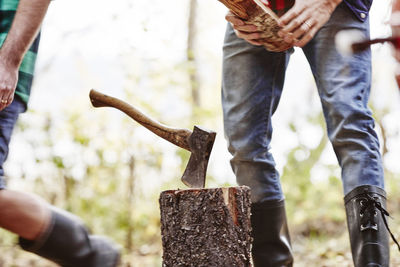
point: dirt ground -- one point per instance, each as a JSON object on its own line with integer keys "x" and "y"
{"x": 308, "y": 252}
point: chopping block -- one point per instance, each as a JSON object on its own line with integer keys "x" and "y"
{"x": 206, "y": 227}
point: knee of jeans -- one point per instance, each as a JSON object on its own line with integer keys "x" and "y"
{"x": 246, "y": 142}
{"x": 247, "y": 152}
{"x": 351, "y": 125}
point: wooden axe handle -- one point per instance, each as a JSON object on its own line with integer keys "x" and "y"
{"x": 176, "y": 136}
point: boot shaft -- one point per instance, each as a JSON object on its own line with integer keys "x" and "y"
{"x": 67, "y": 242}
{"x": 271, "y": 240}
{"x": 369, "y": 239}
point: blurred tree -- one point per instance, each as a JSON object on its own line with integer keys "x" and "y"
{"x": 190, "y": 53}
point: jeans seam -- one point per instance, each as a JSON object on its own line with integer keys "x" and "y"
{"x": 269, "y": 121}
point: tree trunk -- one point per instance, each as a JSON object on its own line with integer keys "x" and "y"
{"x": 130, "y": 202}
{"x": 256, "y": 13}
{"x": 190, "y": 54}
{"x": 206, "y": 227}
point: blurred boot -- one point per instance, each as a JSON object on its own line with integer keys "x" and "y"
{"x": 368, "y": 228}
{"x": 271, "y": 241}
{"x": 68, "y": 243}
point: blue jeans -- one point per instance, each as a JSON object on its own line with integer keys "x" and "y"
{"x": 252, "y": 85}
{"x": 8, "y": 119}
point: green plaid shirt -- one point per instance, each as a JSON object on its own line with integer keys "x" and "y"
{"x": 7, "y": 13}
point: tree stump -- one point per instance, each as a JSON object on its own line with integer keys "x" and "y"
{"x": 256, "y": 13}
{"x": 206, "y": 227}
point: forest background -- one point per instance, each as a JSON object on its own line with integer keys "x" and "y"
{"x": 165, "y": 58}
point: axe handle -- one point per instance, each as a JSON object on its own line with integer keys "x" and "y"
{"x": 176, "y": 136}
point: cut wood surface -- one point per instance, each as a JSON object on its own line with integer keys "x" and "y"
{"x": 206, "y": 227}
{"x": 256, "y": 13}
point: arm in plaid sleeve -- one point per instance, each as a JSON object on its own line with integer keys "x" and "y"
{"x": 25, "y": 26}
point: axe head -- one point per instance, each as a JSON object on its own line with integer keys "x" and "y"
{"x": 200, "y": 142}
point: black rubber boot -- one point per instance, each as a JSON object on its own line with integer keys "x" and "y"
{"x": 68, "y": 243}
{"x": 271, "y": 240}
{"x": 368, "y": 229}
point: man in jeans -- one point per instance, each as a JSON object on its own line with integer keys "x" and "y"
{"x": 252, "y": 84}
{"x": 42, "y": 229}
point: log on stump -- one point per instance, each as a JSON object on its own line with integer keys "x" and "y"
{"x": 256, "y": 13}
{"x": 206, "y": 227}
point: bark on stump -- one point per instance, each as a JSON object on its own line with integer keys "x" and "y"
{"x": 256, "y": 13}
{"x": 206, "y": 227}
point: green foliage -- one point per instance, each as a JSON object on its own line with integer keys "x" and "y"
{"x": 310, "y": 202}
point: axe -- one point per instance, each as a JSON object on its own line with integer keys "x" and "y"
{"x": 350, "y": 42}
{"x": 199, "y": 142}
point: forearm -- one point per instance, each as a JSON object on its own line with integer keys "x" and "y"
{"x": 25, "y": 26}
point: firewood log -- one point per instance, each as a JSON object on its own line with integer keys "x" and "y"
{"x": 256, "y": 13}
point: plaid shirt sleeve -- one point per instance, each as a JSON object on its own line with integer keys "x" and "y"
{"x": 7, "y": 12}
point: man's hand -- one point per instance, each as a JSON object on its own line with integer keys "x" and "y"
{"x": 245, "y": 31}
{"x": 8, "y": 82}
{"x": 248, "y": 32}
{"x": 304, "y": 19}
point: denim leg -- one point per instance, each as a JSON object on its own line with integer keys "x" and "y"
{"x": 8, "y": 118}
{"x": 344, "y": 86}
{"x": 251, "y": 88}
